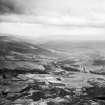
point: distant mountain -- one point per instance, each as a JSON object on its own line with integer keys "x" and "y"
{"x": 11, "y": 44}
{"x": 72, "y": 45}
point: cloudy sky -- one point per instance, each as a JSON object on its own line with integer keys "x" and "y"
{"x": 53, "y": 19}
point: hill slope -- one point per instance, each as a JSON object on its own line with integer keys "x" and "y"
{"x": 16, "y": 53}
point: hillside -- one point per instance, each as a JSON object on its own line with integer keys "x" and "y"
{"x": 38, "y": 75}
{"x": 19, "y": 54}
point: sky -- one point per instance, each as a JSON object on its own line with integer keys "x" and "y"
{"x": 53, "y": 19}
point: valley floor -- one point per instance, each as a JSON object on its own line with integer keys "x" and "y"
{"x": 76, "y": 88}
